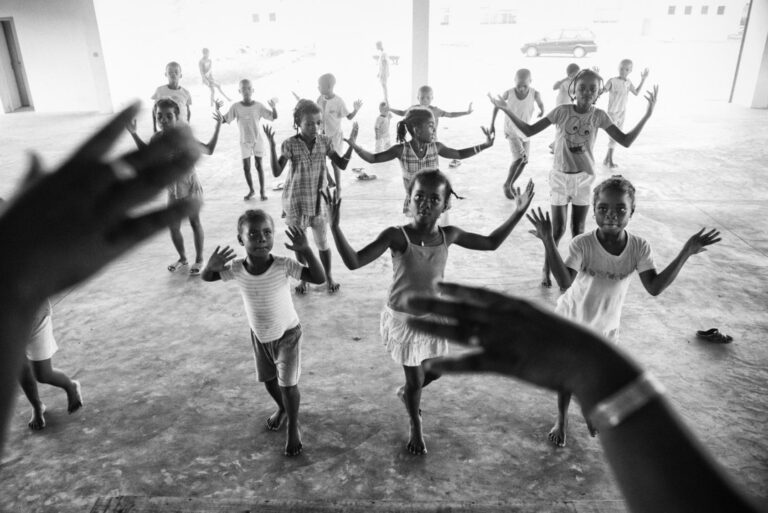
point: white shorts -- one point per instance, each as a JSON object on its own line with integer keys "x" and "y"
{"x": 42, "y": 345}
{"x": 520, "y": 148}
{"x": 574, "y": 188}
{"x": 618, "y": 120}
{"x": 254, "y": 149}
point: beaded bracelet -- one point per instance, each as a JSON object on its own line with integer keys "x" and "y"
{"x": 613, "y": 410}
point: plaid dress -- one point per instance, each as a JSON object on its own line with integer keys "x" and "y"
{"x": 308, "y": 176}
{"x": 412, "y": 164}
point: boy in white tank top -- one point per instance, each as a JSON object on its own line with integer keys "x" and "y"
{"x": 522, "y": 100}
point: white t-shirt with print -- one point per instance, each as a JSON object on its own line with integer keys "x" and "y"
{"x": 267, "y": 296}
{"x": 597, "y": 294}
{"x": 575, "y": 138}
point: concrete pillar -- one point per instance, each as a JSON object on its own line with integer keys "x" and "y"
{"x": 420, "y": 46}
{"x": 96, "y": 58}
{"x": 751, "y": 81}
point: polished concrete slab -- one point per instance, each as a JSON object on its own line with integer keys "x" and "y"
{"x": 173, "y": 409}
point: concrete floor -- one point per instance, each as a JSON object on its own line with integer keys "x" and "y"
{"x": 173, "y": 408}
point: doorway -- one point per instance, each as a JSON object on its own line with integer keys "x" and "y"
{"x": 14, "y": 93}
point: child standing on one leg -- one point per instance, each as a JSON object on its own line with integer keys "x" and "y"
{"x": 424, "y": 96}
{"x": 39, "y": 369}
{"x": 206, "y": 73}
{"x": 421, "y": 151}
{"x": 334, "y": 110}
{"x": 522, "y": 100}
{"x": 573, "y": 170}
{"x": 302, "y": 203}
{"x": 175, "y": 92}
{"x": 248, "y": 113}
{"x": 618, "y": 92}
{"x": 167, "y": 116}
{"x": 419, "y": 254}
{"x": 263, "y": 280}
{"x": 599, "y": 267}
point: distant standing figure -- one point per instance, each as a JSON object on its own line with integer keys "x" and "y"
{"x": 207, "y": 76}
{"x": 383, "y": 73}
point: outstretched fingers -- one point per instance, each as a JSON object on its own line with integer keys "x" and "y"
{"x": 133, "y": 230}
{"x": 100, "y": 143}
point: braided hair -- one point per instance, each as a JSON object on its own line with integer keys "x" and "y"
{"x": 436, "y": 177}
{"x": 581, "y": 75}
{"x": 303, "y": 108}
{"x": 615, "y": 183}
{"x": 413, "y": 118}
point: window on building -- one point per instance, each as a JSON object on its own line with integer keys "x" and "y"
{"x": 445, "y": 17}
{"x": 499, "y": 17}
{"x": 255, "y": 18}
{"x": 272, "y": 16}
{"x": 688, "y": 9}
{"x": 705, "y": 9}
{"x": 720, "y": 10}
{"x": 671, "y": 10}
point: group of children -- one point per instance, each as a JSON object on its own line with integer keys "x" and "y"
{"x": 594, "y": 276}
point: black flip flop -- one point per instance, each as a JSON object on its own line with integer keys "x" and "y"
{"x": 714, "y": 335}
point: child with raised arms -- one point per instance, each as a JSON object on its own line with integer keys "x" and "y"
{"x": 419, "y": 254}
{"x": 425, "y": 96}
{"x": 263, "y": 280}
{"x": 175, "y": 92}
{"x": 522, "y": 100}
{"x": 188, "y": 187}
{"x": 307, "y": 152}
{"x": 421, "y": 151}
{"x": 618, "y": 89}
{"x": 573, "y": 170}
{"x": 248, "y": 113}
{"x": 599, "y": 267}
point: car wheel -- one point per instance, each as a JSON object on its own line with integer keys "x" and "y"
{"x": 531, "y": 51}
{"x": 579, "y": 52}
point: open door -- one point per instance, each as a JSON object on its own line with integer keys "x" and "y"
{"x": 14, "y": 94}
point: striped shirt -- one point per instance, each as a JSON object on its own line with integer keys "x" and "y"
{"x": 301, "y": 197}
{"x": 267, "y": 296}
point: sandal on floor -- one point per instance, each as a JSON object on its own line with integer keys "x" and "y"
{"x": 178, "y": 266}
{"x": 364, "y": 176}
{"x": 278, "y": 187}
{"x": 196, "y": 269}
{"x": 357, "y": 169}
{"x": 714, "y": 335}
{"x": 454, "y": 163}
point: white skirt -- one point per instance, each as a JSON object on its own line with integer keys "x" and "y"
{"x": 405, "y": 345}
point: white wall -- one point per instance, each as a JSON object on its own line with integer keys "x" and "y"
{"x": 61, "y": 50}
{"x": 752, "y": 81}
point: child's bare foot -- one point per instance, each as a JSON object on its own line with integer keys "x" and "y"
{"x": 557, "y": 434}
{"x": 74, "y": 398}
{"x": 613, "y": 165}
{"x": 508, "y": 190}
{"x": 416, "y": 443}
{"x": 249, "y": 195}
{"x": 301, "y": 288}
{"x": 275, "y": 421}
{"x": 37, "y": 422}
{"x": 592, "y": 429}
{"x": 332, "y": 286}
{"x": 293, "y": 445}
{"x": 264, "y": 197}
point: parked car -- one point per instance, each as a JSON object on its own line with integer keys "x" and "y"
{"x": 576, "y": 42}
